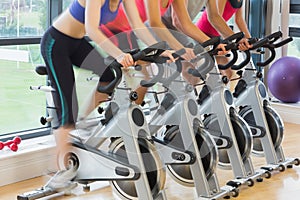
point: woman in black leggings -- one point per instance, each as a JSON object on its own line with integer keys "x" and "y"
{"x": 63, "y": 45}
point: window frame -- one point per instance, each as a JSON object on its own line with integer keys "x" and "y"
{"x": 54, "y": 9}
{"x": 294, "y": 9}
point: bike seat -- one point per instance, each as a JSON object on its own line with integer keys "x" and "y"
{"x": 41, "y": 70}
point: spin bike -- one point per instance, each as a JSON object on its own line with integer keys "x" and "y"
{"x": 132, "y": 165}
{"x": 178, "y": 111}
{"x": 221, "y": 119}
{"x": 251, "y": 97}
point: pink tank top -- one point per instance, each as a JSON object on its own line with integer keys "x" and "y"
{"x": 121, "y": 24}
{"x": 205, "y": 26}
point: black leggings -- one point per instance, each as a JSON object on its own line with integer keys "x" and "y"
{"x": 61, "y": 53}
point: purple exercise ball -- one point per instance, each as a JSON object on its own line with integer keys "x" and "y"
{"x": 284, "y": 79}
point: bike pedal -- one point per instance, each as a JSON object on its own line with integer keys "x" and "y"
{"x": 35, "y": 194}
{"x": 46, "y": 191}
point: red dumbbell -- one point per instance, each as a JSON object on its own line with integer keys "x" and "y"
{"x": 12, "y": 144}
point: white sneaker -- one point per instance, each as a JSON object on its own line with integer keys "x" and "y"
{"x": 62, "y": 181}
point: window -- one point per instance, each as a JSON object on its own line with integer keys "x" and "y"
{"x": 22, "y": 18}
{"x": 20, "y": 107}
{"x": 66, "y": 3}
{"x": 22, "y": 23}
{"x": 294, "y": 28}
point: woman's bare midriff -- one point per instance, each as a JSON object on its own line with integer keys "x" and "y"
{"x": 69, "y": 26}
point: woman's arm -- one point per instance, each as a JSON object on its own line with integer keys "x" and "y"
{"x": 136, "y": 23}
{"x": 175, "y": 21}
{"x": 153, "y": 14}
{"x": 214, "y": 17}
{"x": 241, "y": 24}
{"x": 139, "y": 27}
{"x": 215, "y": 13}
{"x": 92, "y": 20}
{"x": 187, "y": 25}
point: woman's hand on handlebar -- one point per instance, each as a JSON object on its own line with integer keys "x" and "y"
{"x": 222, "y": 49}
{"x": 244, "y": 45}
{"x": 168, "y": 53}
{"x": 189, "y": 54}
{"x": 125, "y": 60}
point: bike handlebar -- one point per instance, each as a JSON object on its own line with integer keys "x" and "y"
{"x": 255, "y": 45}
{"x": 153, "y": 50}
{"x": 160, "y": 60}
{"x": 274, "y": 36}
{"x": 267, "y": 42}
{"x": 232, "y": 44}
{"x": 215, "y": 41}
{"x": 259, "y": 43}
{"x": 233, "y": 48}
{"x": 208, "y": 63}
{"x": 284, "y": 42}
{"x": 270, "y": 59}
{"x": 272, "y": 48}
{"x": 236, "y": 36}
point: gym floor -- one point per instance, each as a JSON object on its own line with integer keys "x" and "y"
{"x": 281, "y": 186}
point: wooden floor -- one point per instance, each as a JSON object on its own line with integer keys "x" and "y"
{"x": 281, "y": 186}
